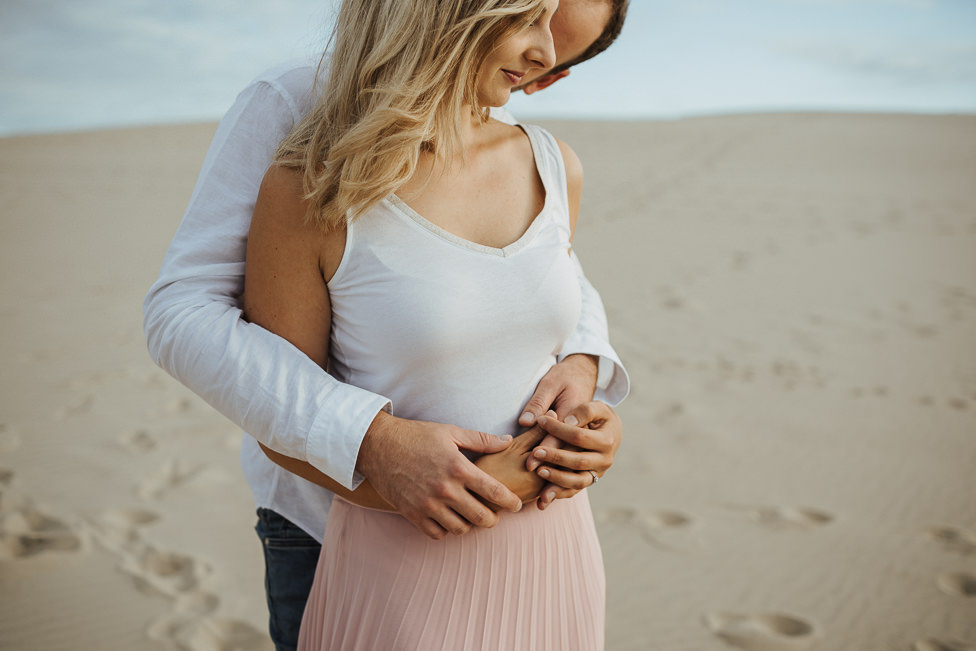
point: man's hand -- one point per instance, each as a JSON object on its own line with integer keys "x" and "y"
{"x": 592, "y": 434}
{"x": 418, "y": 467}
{"x": 567, "y": 385}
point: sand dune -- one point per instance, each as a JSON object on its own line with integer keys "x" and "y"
{"x": 794, "y": 296}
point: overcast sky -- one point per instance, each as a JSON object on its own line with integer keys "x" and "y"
{"x": 100, "y": 63}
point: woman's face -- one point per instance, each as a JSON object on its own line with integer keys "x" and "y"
{"x": 526, "y": 54}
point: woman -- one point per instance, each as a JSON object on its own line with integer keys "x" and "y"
{"x": 420, "y": 250}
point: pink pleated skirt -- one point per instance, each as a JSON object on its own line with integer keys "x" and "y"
{"x": 535, "y": 581}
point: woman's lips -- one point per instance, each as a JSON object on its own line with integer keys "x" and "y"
{"x": 514, "y": 77}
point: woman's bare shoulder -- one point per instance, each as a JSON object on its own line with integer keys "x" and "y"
{"x": 574, "y": 167}
{"x": 282, "y": 195}
{"x": 281, "y": 215}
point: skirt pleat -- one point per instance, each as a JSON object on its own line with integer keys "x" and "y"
{"x": 535, "y": 581}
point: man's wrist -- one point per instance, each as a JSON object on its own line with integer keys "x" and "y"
{"x": 372, "y": 439}
{"x": 585, "y": 364}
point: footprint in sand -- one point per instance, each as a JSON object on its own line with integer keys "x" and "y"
{"x": 178, "y": 406}
{"x": 957, "y": 584}
{"x": 788, "y": 517}
{"x": 117, "y": 529}
{"x": 955, "y": 539}
{"x": 207, "y": 633}
{"x": 943, "y": 644}
{"x": 78, "y": 406}
{"x": 196, "y": 603}
{"x": 9, "y": 441}
{"x": 959, "y": 404}
{"x": 764, "y": 631}
{"x": 138, "y": 441}
{"x": 26, "y": 531}
{"x": 172, "y": 474}
{"x": 654, "y": 526}
{"x": 164, "y": 572}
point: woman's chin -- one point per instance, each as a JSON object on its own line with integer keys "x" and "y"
{"x": 495, "y": 100}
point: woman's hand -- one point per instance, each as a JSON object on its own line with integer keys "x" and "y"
{"x": 590, "y": 437}
{"x": 509, "y": 466}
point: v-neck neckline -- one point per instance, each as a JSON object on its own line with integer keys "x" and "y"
{"x": 510, "y": 249}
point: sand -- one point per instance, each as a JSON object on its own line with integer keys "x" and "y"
{"x": 793, "y": 295}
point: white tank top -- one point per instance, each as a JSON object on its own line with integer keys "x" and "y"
{"x": 449, "y": 330}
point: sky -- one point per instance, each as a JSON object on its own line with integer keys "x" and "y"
{"x": 70, "y": 65}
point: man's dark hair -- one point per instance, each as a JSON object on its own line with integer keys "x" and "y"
{"x": 606, "y": 38}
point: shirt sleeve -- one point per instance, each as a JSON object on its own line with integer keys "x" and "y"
{"x": 193, "y": 321}
{"x": 592, "y": 337}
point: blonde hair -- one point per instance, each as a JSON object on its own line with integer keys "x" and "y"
{"x": 400, "y": 75}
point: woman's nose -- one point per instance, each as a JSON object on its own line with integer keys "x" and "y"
{"x": 543, "y": 53}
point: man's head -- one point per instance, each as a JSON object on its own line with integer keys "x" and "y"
{"x": 581, "y": 29}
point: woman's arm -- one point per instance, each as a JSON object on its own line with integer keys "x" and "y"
{"x": 287, "y": 265}
{"x": 364, "y": 495}
{"x": 509, "y": 466}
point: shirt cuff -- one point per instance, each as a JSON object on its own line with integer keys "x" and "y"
{"x": 612, "y": 383}
{"x": 332, "y": 446}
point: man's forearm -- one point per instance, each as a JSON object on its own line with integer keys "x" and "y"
{"x": 302, "y": 412}
{"x": 192, "y": 318}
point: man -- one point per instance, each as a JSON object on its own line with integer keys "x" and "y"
{"x": 286, "y": 402}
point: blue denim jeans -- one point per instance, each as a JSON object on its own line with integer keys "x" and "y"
{"x": 290, "y": 557}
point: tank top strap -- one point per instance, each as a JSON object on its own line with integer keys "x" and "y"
{"x": 552, "y": 170}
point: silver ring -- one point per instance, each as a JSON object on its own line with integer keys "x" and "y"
{"x": 595, "y": 478}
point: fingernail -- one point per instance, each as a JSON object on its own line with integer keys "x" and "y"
{"x": 544, "y": 473}
{"x": 539, "y": 454}
{"x": 527, "y": 417}
{"x": 572, "y": 421}
{"x": 550, "y": 496}
{"x": 518, "y": 508}
{"x": 551, "y": 413}
{"x": 532, "y": 464}
{"x": 506, "y": 438}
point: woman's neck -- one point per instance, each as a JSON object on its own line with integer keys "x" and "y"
{"x": 473, "y": 129}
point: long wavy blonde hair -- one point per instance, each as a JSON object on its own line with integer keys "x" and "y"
{"x": 401, "y": 74}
